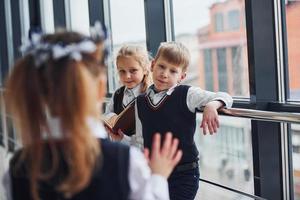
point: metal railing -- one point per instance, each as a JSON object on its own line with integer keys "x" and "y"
{"x": 262, "y": 115}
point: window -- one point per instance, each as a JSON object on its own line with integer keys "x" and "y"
{"x": 233, "y": 20}
{"x": 226, "y": 158}
{"x": 127, "y": 22}
{"x": 293, "y": 43}
{"x": 77, "y": 15}
{"x": 222, "y": 69}
{"x": 296, "y": 158}
{"x": 237, "y": 72}
{"x": 127, "y": 26}
{"x": 209, "y": 79}
{"x": 219, "y": 24}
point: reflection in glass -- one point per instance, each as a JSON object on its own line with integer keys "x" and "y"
{"x": 214, "y": 32}
{"x": 293, "y": 43}
{"x": 226, "y": 157}
{"x": 296, "y": 159}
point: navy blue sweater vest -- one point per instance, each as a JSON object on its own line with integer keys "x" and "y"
{"x": 109, "y": 180}
{"x": 118, "y": 105}
{"x": 171, "y": 114}
{"x": 118, "y": 99}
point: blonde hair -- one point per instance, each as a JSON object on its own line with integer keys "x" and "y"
{"x": 174, "y": 53}
{"x": 60, "y": 88}
{"x": 140, "y": 55}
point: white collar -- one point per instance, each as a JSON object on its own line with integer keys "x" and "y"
{"x": 168, "y": 92}
{"x": 136, "y": 90}
{"x": 94, "y": 124}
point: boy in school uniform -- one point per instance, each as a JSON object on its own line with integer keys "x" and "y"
{"x": 170, "y": 106}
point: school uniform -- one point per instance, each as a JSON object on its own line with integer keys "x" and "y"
{"x": 123, "y": 173}
{"x": 174, "y": 110}
{"x": 119, "y": 101}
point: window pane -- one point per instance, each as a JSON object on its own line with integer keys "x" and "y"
{"x": 127, "y": 26}
{"x": 233, "y": 20}
{"x": 78, "y": 18}
{"x": 123, "y": 15}
{"x": 296, "y": 159}
{"x": 219, "y": 26}
{"x": 222, "y": 71}
{"x": 293, "y": 43}
{"x": 214, "y": 32}
{"x": 226, "y": 157}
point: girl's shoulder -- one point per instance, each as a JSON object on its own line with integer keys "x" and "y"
{"x": 120, "y": 90}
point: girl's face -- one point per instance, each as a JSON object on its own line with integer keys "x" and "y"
{"x": 130, "y": 72}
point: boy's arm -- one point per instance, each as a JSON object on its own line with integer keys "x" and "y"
{"x": 197, "y": 98}
{"x": 211, "y": 101}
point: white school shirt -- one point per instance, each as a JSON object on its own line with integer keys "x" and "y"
{"x": 129, "y": 96}
{"x": 196, "y": 98}
{"x": 143, "y": 184}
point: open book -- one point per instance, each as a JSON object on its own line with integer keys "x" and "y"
{"x": 124, "y": 121}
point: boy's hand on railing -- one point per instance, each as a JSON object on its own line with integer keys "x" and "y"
{"x": 210, "y": 120}
{"x": 164, "y": 157}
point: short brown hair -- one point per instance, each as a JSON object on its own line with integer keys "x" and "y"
{"x": 175, "y": 53}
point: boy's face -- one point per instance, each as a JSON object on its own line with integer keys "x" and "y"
{"x": 165, "y": 75}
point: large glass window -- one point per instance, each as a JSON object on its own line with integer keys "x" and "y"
{"x": 128, "y": 22}
{"x": 77, "y": 15}
{"x": 196, "y": 30}
{"x": 293, "y": 43}
{"x": 226, "y": 157}
{"x": 127, "y": 26}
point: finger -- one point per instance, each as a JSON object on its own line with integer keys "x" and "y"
{"x": 210, "y": 127}
{"x": 217, "y": 122}
{"x": 167, "y": 144}
{"x": 174, "y": 147}
{"x": 177, "y": 157}
{"x": 204, "y": 128}
{"x": 156, "y": 145}
{"x": 120, "y": 132}
{"x": 215, "y": 126}
{"x": 201, "y": 125}
{"x": 147, "y": 154}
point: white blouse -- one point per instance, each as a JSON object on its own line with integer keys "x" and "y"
{"x": 143, "y": 184}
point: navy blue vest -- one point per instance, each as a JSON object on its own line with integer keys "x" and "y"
{"x": 171, "y": 114}
{"x": 109, "y": 181}
{"x": 118, "y": 99}
{"x": 118, "y": 105}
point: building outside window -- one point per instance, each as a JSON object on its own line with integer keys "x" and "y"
{"x": 233, "y": 20}
{"x": 209, "y": 79}
{"x": 219, "y": 23}
{"x": 222, "y": 69}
